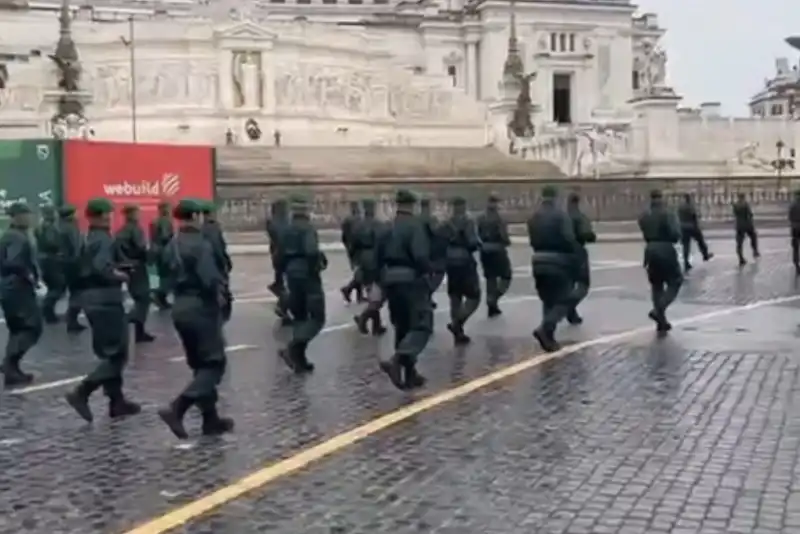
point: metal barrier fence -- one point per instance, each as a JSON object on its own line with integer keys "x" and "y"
{"x": 245, "y": 204}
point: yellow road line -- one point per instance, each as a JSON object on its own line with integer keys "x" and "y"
{"x": 258, "y": 479}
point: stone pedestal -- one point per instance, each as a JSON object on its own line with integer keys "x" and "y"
{"x": 65, "y": 110}
{"x": 656, "y": 126}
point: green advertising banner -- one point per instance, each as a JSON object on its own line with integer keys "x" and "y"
{"x": 30, "y": 171}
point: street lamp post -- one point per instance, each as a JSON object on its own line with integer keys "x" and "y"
{"x": 130, "y": 44}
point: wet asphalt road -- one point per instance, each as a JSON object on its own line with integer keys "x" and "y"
{"x": 696, "y": 433}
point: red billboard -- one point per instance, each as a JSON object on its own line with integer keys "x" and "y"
{"x": 140, "y": 174}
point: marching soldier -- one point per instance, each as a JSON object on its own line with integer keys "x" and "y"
{"x": 584, "y": 234}
{"x": 279, "y": 218}
{"x": 365, "y": 245}
{"x": 660, "y": 233}
{"x": 19, "y": 278}
{"x": 131, "y": 250}
{"x": 70, "y": 240}
{"x": 303, "y": 262}
{"x": 463, "y": 284}
{"x": 99, "y": 279}
{"x": 690, "y": 230}
{"x": 438, "y": 246}
{"x": 496, "y": 264}
{"x": 47, "y": 245}
{"x": 197, "y": 312}
{"x": 349, "y": 226}
{"x": 555, "y": 250}
{"x": 213, "y": 232}
{"x": 794, "y": 222}
{"x": 745, "y": 227}
{"x": 161, "y": 232}
{"x": 404, "y": 256}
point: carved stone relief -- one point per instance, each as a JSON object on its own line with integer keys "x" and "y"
{"x": 332, "y": 91}
{"x": 157, "y": 83}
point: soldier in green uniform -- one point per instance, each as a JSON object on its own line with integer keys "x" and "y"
{"x": 794, "y": 223}
{"x": 463, "y": 285}
{"x": 132, "y": 253}
{"x": 691, "y": 231}
{"x": 584, "y": 234}
{"x": 161, "y": 232}
{"x": 19, "y": 278}
{"x": 213, "y": 232}
{"x": 100, "y": 280}
{"x": 199, "y": 287}
{"x": 660, "y": 232}
{"x": 404, "y": 256}
{"x": 496, "y": 264}
{"x": 555, "y": 251}
{"x": 745, "y": 227}
{"x": 438, "y": 246}
{"x": 70, "y": 240}
{"x": 279, "y": 218}
{"x": 365, "y": 245}
{"x": 303, "y": 262}
{"x": 349, "y": 225}
{"x": 47, "y": 246}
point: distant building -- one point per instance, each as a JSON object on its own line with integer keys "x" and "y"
{"x": 781, "y": 94}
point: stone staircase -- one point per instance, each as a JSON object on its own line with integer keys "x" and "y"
{"x": 237, "y": 164}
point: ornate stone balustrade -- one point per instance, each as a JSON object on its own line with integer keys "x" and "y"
{"x": 246, "y": 204}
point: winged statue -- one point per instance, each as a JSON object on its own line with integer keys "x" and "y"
{"x": 69, "y": 73}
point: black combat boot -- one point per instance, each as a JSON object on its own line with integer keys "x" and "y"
{"x": 546, "y": 340}
{"x": 574, "y": 318}
{"x": 377, "y": 325}
{"x": 160, "y": 300}
{"x": 118, "y": 405}
{"x": 49, "y": 314}
{"x": 78, "y": 398}
{"x": 173, "y": 415}
{"x": 394, "y": 370}
{"x": 141, "y": 335}
{"x": 213, "y": 424}
{"x": 493, "y": 310}
{"x": 361, "y": 323}
{"x": 73, "y": 325}
{"x": 412, "y": 378}
{"x": 662, "y": 325}
{"x": 459, "y": 337}
{"x": 13, "y": 375}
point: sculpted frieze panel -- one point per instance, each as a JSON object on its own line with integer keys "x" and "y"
{"x": 157, "y": 84}
{"x": 341, "y": 91}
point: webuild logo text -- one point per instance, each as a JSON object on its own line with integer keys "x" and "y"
{"x": 169, "y": 185}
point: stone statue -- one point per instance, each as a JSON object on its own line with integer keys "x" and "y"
{"x": 246, "y": 79}
{"x": 69, "y": 73}
{"x": 652, "y": 70}
{"x": 520, "y": 124}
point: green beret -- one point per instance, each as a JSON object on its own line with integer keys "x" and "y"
{"x": 17, "y": 208}
{"x": 458, "y": 201}
{"x": 129, "y": 208}
{"x": 574, "y": 198}
{"x": 368, "y": 202}
{"x": 48, "y": 211}
{"x": 494, "y": 197}
{"x": 164, "y": 205}
{"x": 66, "y": 210}
{"x": 549, "y": 191}
{"x": 186, "y": 208}
{"x": 404, "y": 196}
{"x": 298, "y": 202}
{"x": 99, "y": 206}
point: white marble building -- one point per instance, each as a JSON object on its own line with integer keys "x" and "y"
{"x": 374, "y": 72}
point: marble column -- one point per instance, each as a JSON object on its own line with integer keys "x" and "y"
{"x": 226, "y": 79}
{"x": 472, "y": 68}
{"x": 267, "y": 82}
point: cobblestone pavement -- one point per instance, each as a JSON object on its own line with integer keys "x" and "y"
{"x": 696, "y": 433}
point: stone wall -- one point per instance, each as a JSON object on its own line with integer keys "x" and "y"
{"x": 245, "y": 205}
